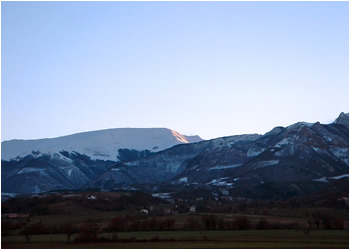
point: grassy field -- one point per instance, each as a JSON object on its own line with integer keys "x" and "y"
{"x": 103, "y": 218}
{"x": 283, "y": 226}
{"x": 196, "y": 239}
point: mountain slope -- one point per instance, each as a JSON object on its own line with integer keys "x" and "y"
{"x": 162, "y": 166}
{"x": 69, "y": 162}
{"x": 98, "y": 145}
{"x": 284, "y": 162}
{"x": 289, "y": 158}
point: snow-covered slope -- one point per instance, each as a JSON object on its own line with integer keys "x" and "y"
{"x": 292, "y": 155}
{"x": 101, "y": 144}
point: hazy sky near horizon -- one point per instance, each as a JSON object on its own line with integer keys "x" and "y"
{"x": 207, "y": 68}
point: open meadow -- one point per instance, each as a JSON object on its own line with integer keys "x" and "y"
{"x": 134, "y": 220}
{"x": 195, "y": 239}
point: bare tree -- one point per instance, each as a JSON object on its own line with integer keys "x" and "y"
{"x": 68, "y": 229}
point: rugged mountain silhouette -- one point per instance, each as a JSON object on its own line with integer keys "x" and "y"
{"x": 287, "y": 161}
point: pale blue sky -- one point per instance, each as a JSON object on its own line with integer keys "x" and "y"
{"x": 206, "y": 68}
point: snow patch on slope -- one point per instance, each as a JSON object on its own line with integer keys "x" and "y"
{"x": 299, "y": 125}
{"x": 325, "y": 179}
{"x": 254, "y": 152}
{"x": 339, "y": 152}
{"x": 339, "y": 177}
{"x": 266, "y": 163}
{"x": 31, "y": 170}
{"x": 220, "y": 182}
{"x": 183, "y": 180}
{"x": 322, "y": 179}
{"x": 225, "y": 167}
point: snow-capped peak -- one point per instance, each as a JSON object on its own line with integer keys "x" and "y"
{"x": 343, "y": 119}
{"x": 179, "y": 136}
{"x": 101, "y": 144}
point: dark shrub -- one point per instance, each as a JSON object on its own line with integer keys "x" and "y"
{"x": 210, "y": 221}
{"x": 263, "y": 225}
{"x": 118, "y": 224}
{"x": 155, "y": 239}
{"x": 242, "y": 223}
{"x": 35, "y": 228}
{"x": 88, "y": 233}
{"x": 192, "y": 223}
{"x": 168, "y": 224}
{"x": 68, "y": 229}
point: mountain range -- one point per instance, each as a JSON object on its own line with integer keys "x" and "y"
{"x": 69, "y": 162}
{"x": 287, "y": 161}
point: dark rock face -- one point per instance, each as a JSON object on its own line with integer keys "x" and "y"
{"x": 49, "y": 172}
{"x": 289, "y": 161}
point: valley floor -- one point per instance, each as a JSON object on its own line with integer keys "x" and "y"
{"x": 117, "y": 220}
{"x": 194, "y": 239}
